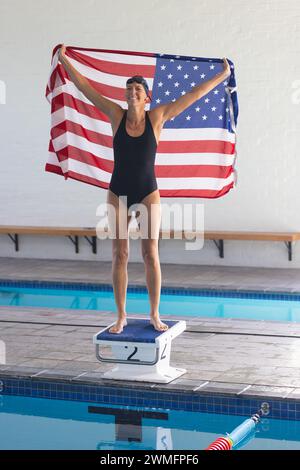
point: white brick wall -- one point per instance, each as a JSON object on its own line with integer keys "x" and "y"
{"x": 263, "y": 40}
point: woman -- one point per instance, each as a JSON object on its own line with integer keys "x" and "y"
{"x": 136, "y": 133}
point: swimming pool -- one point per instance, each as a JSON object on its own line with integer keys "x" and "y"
{"x": 175, "y": 302}
{"x": 65, "y": 424}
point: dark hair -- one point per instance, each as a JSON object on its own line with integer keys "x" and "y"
{"x": 142, "y": 81}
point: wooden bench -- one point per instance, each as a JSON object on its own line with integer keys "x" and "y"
{"x": 218, "y": 237}
{"x": 73, "y": 234}
{"x": 89, "y": 233}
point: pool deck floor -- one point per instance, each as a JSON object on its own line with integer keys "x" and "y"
{"x": 222, "y": 356}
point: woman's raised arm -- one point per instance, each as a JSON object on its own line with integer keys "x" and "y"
{"x": 105, "y": 105}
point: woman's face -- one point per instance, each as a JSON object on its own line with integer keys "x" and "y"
{"x": 135, "y": 94}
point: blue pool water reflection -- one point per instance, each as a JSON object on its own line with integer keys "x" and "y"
{"x": 39, "y": 423}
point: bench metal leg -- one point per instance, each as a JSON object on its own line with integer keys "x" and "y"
{"x": 15, "y": 240}
{"x": 220, "y": 245}
{"x": 75, "y": 242}
{"x": 93, "y": 243}
{"x": 290, "y": 249}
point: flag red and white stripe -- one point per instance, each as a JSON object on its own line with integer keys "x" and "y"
{"x": 190, "y": 162}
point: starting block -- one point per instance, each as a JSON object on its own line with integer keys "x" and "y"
{"x": 140, "y": 352}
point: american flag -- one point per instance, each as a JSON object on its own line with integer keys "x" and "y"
{"x": 197, "y": 149}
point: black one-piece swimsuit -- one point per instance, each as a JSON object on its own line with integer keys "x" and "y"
{"x": 133, "y": 175}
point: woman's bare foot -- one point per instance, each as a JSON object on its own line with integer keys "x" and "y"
{"x": 117, "y": 328}
{"x": 158, "y": 324}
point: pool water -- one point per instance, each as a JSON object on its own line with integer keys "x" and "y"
{"x": 170, "y": 304}
{"x": 39, "y": 423}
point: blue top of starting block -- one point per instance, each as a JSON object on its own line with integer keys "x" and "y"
{"x": 136, "y": 331}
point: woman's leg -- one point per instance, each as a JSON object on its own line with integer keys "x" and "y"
{"x": 151, "y": 256}
{"x": 120, "y": 253}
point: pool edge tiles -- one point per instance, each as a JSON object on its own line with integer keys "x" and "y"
{"x": 204, "y": 398}
{"x": 217, "y": 291}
